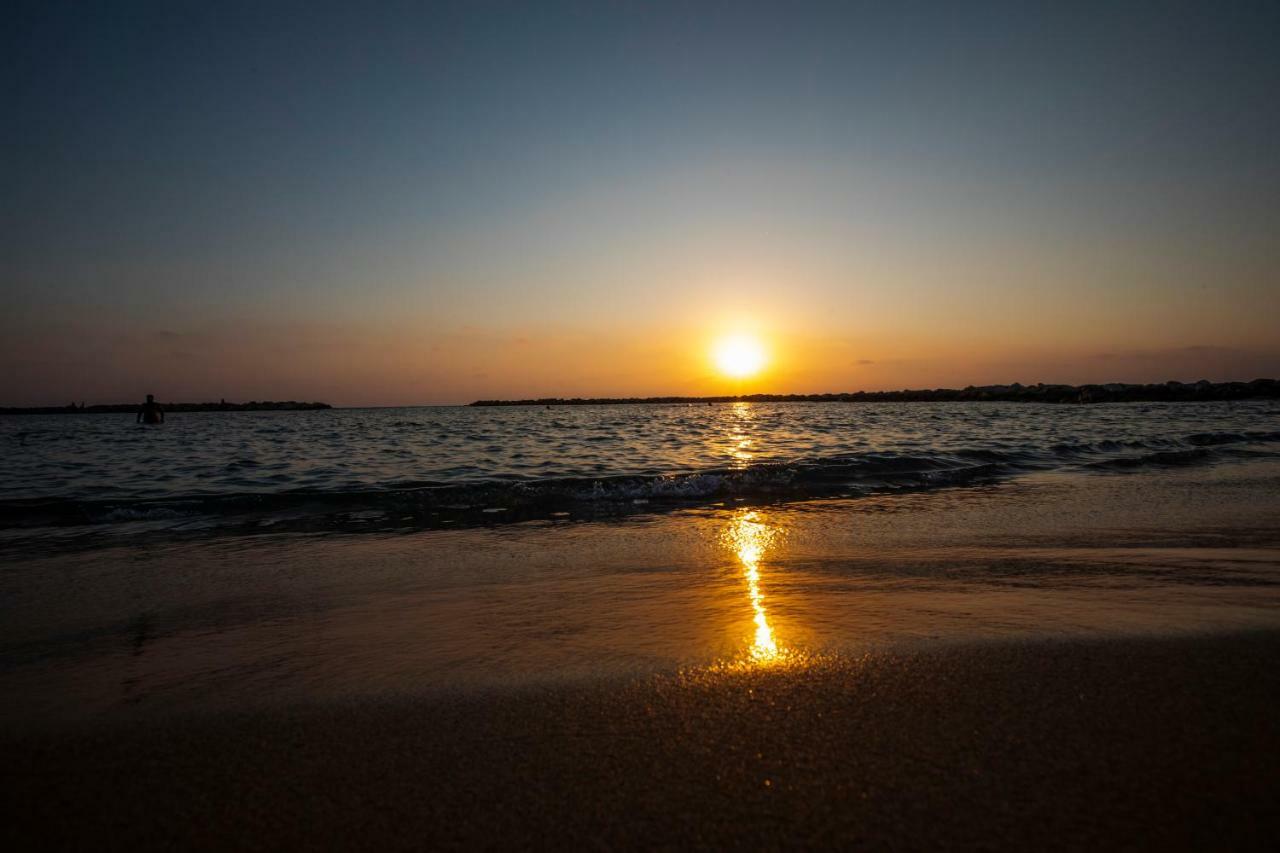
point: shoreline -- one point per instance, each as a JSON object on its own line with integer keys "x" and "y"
{"x": 1055, "y": 663}
{"x": 1058, "y": 744}
{"x": 151, "y": 621}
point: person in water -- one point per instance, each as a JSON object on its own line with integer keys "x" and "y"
{"x": 151, "y": 413}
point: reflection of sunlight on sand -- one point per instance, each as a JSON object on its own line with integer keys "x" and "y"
{"x": 749, "y": 537}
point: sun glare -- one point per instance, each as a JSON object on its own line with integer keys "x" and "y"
{"x": 749, "y": 537}
{"x": 739, "y": 356}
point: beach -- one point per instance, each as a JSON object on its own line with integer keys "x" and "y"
{"x": 1116, "y": 744}
{"x": 1056, "y": 661}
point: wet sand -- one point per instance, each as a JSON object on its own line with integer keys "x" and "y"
{"x": 233, "y": 623}
{"x": 1136, "y": 743}
{"x": 1055, "y": 663}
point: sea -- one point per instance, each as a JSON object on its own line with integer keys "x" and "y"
{"x": 233, "y": 558}
{"x": 459, "y": 464}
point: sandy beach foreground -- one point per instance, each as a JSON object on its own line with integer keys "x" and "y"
{"x": 1120, "y": 743}
{"x": 1059, "y": 662}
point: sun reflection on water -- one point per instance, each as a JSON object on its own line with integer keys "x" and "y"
{"x": 748, "y": 536}
{"x": 741, "y": 442}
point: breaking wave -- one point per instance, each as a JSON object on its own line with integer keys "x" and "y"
{"x": 403, "y": 504}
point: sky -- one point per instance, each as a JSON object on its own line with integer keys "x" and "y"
{"x": 439, "y": 202}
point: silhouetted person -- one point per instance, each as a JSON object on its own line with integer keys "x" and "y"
{"x": 151, "y": 413}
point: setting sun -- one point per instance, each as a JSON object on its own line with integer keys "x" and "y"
{"x": 739, "y": 356}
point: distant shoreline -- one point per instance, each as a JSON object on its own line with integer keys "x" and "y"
{"x": 130, "y": 408}
{"x": 1115, "y": 392}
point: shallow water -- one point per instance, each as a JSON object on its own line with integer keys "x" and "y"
{"x": 385, "y": 468}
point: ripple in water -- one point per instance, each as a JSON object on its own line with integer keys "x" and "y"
{"x": 426, "y": 458}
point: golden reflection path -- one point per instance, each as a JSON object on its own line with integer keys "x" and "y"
{"x": 739, "y": 437}
{"x": 748, "y": 536}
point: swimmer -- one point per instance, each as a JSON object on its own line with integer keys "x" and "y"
{"x": 150, "y": 413}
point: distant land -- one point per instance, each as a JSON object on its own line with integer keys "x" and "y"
{"x": 130, "y": 408}
{"x": 1113, "y": 392}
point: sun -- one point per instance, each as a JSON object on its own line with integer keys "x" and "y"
{"x": 738, "y": 356}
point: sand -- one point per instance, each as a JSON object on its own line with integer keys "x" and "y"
{"x": 1122, "y": 743}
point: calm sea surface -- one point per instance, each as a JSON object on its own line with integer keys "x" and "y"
{"x": 104, "y": 468}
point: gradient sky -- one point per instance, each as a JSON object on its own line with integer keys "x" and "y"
{"x": 438, "y": 202}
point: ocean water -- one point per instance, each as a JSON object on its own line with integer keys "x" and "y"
{"x": 373, "y": 468}
{"x": 227, "y": 560}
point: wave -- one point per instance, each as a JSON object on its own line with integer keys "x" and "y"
{"x": 1159, "y": 458}
{"x": 1202, "y": 439}
{"x": 492, "y": 501}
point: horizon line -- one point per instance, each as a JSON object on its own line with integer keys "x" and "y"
{"x": 993, "y": 392}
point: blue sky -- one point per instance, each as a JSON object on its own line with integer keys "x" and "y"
{"x": 435, "y": 202}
